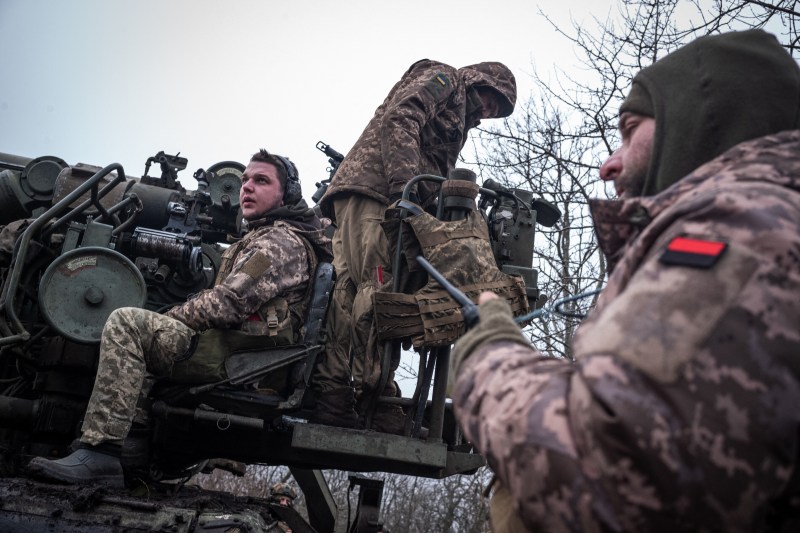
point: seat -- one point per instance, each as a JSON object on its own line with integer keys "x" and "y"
{"x": 269, "y": 382}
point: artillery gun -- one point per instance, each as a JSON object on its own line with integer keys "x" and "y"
{"x": 80, "y": 241}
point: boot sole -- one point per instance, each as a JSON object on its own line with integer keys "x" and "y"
{"x": 45, "y": 474}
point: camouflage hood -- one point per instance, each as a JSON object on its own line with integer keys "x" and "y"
{"x": 495, "y": 76}
{"x": 419, "y": 128}
{"x": 712, "y": 94}
{"x": 306, "y": 223}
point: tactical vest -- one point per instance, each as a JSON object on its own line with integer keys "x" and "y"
{"x": 276, "y": 323}
{"x": 275, "y": 318}
{"x": 461, "y": 251}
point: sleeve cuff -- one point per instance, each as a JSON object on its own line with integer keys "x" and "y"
{"x": 496, "y": 324}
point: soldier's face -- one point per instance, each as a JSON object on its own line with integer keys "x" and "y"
{"x": 628, "y": 165}
{"x": 490, "y": 106}
{"x": 261, "y": 190}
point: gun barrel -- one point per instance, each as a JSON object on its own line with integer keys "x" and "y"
{"x": 13, "y": 162}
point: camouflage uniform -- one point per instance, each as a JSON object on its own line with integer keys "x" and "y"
{"x": 420, "y": 128}
{"x": 271, "y": 265}
{"x": 277, "y": 491}
{"x": 680, "y": 412}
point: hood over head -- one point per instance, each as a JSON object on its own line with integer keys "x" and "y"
{"x": 709, "y": 96}
{"x": 302, "y": 217}
{"x": 495, "y": 76}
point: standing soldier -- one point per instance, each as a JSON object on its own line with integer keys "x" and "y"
{"x": 260, "y": 290}
{"x": 680, "y": 412}
{"x": 420, "y": 128}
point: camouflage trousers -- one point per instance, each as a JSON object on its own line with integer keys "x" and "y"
{"x": 136, "y": 346}
{"x": 359, "y": 248}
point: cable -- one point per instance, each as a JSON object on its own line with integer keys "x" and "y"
{"x": 544, "y": 312}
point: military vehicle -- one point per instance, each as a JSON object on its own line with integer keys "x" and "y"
{"x": 79, "y": 241}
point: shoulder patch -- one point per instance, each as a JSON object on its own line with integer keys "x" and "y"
{"x": 438, "y": 85}
{"x": 256, "y": 265}
{"x": 698, "y": 253}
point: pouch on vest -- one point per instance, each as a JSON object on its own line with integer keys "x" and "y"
{"x": 278, "y": 317}
{"x": 275, "y": 320}
{"x": 461, "y": 251}
{"x": 214, "y": 346}
{"x": 280, "y": 322}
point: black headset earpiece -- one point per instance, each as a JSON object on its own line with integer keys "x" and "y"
{"x": 292, "y": 193}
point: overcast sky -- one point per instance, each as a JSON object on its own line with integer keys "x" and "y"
{"x": 116, "y": 81}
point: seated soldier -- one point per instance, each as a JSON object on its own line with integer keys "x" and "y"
{"x": 261, "y": 288}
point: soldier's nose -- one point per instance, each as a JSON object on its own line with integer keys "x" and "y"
{"x": 612, "y": 168}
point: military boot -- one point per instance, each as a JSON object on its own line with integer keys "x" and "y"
{"x": 391, "y": 418}
{"x": 90, "y": 464}
{"x": 336, "y": 408}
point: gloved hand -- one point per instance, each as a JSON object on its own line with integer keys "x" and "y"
{"x": 496, "y": 324}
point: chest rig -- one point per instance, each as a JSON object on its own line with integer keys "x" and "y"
{"x": 461, "y": 251}
{"x": 277, "y": 317}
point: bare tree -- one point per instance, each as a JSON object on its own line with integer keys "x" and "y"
{"x": 780, "y": 17}
{"x": 256, "y": 481}
{"x": 455, "y": 504}
{"x": 556, "y": 140}
{"x": 410, "y": 504}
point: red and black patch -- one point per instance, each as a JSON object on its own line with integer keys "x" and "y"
{"x": 696, "y": 253}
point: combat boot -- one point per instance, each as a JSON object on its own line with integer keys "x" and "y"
{"x": 90, "y": 464}
{"x": 336, "y": 408}
{"x": 391, "y": 418}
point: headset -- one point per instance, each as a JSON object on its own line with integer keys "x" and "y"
{"x": 292, "y": 192}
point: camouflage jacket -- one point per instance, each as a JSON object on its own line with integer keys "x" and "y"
{"x": 420, "y": 128}
{"x": 680, "y": 412}
{"x": 274, "y": 261}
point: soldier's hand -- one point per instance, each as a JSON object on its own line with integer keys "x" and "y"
{"x": 496, "y": 324}
{"x": 486, "y": 296}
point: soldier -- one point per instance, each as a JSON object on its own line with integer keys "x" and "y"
{"x": 261, "y": 289}
{"x": 680, "y": 411}
{"x": 419, "y": 128}
{"x": 285, "y": 495}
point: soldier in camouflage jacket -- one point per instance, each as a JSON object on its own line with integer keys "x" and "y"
{"x": 261, "y": 288}
{"x": 420, "y": 128}
{"x": 680, "y": 412}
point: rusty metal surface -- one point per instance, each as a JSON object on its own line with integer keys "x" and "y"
{"x": 28, "y": 505}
